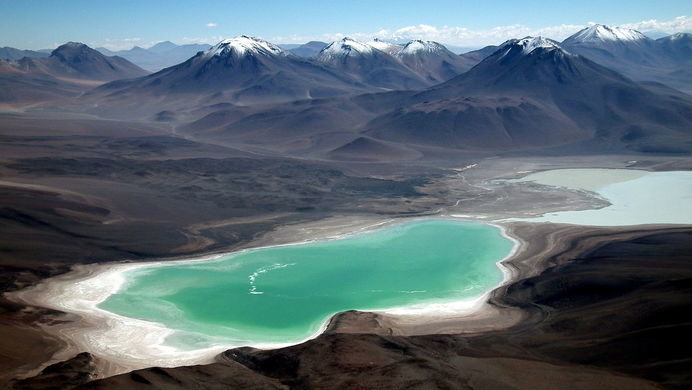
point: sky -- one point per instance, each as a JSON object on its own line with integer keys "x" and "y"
{"x": 117, "y": 25}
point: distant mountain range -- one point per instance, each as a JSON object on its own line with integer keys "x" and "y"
{"x": 532, "y": 93}
{"x": 247, "y": 70}
{"x": 529, "y": 94}
{"x": 159, "y": 56}
{"x": 241, "y": 70}
{"x": 306, "y": 50}
{"x": 79, "y": 61}
{"x": 603, "y": 89}
{"x": 67, "y": 71}
{"x": 12, "y": 54}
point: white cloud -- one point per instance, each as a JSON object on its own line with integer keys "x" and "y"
{"x": 211, "y": 24}
{"x": 458, "y": 36}
{"x": 462, "y": 36}
{"x": 679, "y": 24}
{"x": 450, "y": 35}
{"x": 208, "y": 40}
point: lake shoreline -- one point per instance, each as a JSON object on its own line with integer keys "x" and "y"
{"x": 67, "y": 293}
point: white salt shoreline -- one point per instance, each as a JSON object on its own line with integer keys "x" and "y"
{"x": 125, "y": 344}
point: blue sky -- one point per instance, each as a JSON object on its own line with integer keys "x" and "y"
{"x": 121, "y": 24}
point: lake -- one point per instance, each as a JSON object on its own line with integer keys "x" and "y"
{"x": 286, "y": 293}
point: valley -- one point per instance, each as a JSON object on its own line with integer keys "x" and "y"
{"x": 117, "y": 160}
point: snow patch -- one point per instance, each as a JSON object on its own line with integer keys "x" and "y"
{"x": 529, "y": 44}
{"x": 243, "y": 45}
{"x": 678, "y": 36}
{"x": 602, "y": 33}
{"x": 384, "y": 46}
{"x": 346, "y": 47}
{"x": 418, "y": 46}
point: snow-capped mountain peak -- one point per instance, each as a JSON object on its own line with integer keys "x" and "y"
{"x": 417, "y": 46}
{"x": 603, "y": 33}
{"x": 387, "y": 47}
{"x": 530, "y": 44}
{"x": 243, "y": 45}
{"x": 344, "y": 48}
{"x": 678, "y": 36}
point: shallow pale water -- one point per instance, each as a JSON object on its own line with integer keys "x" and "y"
{"x": 284, "y": 294}
{"x": 636, "y": 197}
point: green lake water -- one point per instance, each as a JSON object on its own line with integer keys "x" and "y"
{"x": 284, "y": 294}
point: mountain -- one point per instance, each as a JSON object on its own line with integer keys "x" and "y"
{"x": 78, "y": 61}
{"x": 433, "y": 61}
{"x": 677, "y": 47}
{"x": 531, "y": 93}
{"x": 308, "y": 50}
{"x": 369, "y": 65}
{"x": 243, "y": 70}
{"x": 601, "y": 35}
{"x": 165, "y": 46}
{"x": 159, "y": 56}
{"x": 610, "y": 46}
{"x": 12, "y": 54}
{"x": 633, "y": 54}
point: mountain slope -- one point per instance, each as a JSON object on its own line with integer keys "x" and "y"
{"x": 368, "y": 149}
{"x": 533, "y": 94}
{"x": 19, "y": 88}
{"x": 677, "y": 47}
{"x": 78, "y": 61}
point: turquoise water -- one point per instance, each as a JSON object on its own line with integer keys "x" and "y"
{"x": 636, "y": 197}
{"x": 284, "y": 294}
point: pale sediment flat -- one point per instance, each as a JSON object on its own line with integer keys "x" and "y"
{"x": 589, "y": 179}
{"x": 636, "y": 197}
